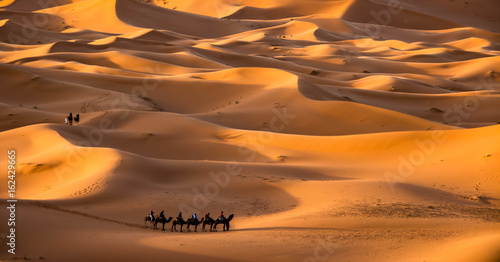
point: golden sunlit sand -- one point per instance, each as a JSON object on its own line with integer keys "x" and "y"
{"x": 341, "y": 130}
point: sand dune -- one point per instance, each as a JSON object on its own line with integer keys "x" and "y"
{"x": 339, "y": 130}
{"x": 483, "y": 248}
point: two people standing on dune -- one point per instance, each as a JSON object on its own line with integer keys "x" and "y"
{"x": 69, "y": 119}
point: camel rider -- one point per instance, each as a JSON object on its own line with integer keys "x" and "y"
{"x": 207, "y": 216}
{"x": 195, "y": 217}
{"x": 222, "y": 217}
{"x": 152, "y": 215}
{"x": 161, "y": 214}
{"x": 179, "y": 217}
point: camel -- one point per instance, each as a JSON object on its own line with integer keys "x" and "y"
{"x": 208, "y": 221}
{"x": 196, "y": 222}
{"x": 148, "y": 218}
{"x": 225, "y": 223}
{"x": 178, "y": 221}
{"x": 162, "y": 220}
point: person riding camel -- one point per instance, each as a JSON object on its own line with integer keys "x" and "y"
{"x": 179, "y": 217}
{"x": 195, "y": 217}
{"x": 207, "y": 216}
{"x": 161, "y": 214}
{"x": 222, "y": 217}
{"x": 152, "y": 215}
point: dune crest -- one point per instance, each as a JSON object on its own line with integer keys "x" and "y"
{"x": 53, "y": 168}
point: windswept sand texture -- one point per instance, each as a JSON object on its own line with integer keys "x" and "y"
{"x": 334, "y": 130}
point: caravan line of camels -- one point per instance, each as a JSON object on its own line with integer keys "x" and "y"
{"x": 192, "y": 221}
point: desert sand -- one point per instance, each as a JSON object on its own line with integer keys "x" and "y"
{"x": 335, "y": 130}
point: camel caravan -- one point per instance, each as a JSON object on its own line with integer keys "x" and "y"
{"x": 192, "y": 221}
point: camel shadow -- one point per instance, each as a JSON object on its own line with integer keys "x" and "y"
{"x": 287, "y": 228}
